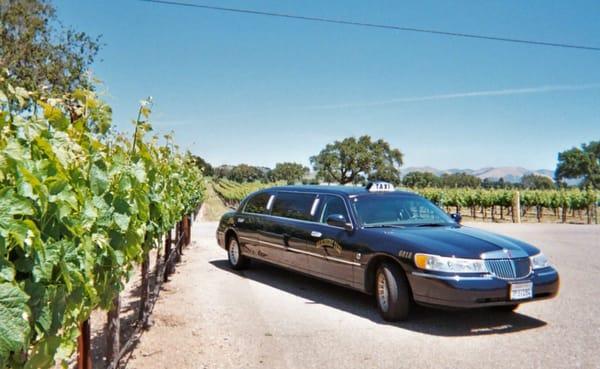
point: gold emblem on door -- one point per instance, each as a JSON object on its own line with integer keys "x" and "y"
{"x": 328, "y": 242}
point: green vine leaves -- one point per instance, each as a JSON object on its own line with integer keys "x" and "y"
{"x": 78, "y": 210}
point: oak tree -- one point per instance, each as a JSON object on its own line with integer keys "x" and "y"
{"x": 353, "y": 160}
{"x": 536, "y": 182}
{"x": 39, "y": 52}
{"x": 289, "y": 172}
{"x": 421, "y": 180}
{"x": 582, "y": 163}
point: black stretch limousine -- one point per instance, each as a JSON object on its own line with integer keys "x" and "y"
{"x": 395, "y": 245}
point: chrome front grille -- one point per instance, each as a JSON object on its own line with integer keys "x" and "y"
{"x": 509, "y": 268}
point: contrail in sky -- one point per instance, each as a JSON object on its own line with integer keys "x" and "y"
{"x": 459, "y": 95}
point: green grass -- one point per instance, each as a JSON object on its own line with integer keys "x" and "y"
{"x": 213, "y": 207}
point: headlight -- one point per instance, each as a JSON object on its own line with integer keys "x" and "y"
{"x": 539, "y": 261}
{"x": 449, "y": 265}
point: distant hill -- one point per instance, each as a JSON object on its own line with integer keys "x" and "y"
{"x": 509, "y": 174}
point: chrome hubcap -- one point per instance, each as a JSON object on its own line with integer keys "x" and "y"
{"x": 382, "y": 292}
{"x": 234, "y": 252}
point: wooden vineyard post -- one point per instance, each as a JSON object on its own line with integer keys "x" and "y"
{"x": 84, "y": 359}
{"x": 113, "y": 334}
{"x": 187, "y": 229}
{"x": 145, "y": 292}
{"x": 516, "y": 208}
{"x": 167, "y": 255}
{"x": 179, "y": 240}
{"x": 157, "y": 261}
{"x": 184, "y": 230}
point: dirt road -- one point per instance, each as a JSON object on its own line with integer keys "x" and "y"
{"x": 264, "y": 317}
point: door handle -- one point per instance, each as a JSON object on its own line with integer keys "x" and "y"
{"x": 316, "y": 234}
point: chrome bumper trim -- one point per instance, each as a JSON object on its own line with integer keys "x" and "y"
{"x": 550, "y": 272}
{"x": 457, "y": 278}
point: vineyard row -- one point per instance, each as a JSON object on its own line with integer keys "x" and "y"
{"x": 560, "y": 202}
{"x": 81, "y": 206}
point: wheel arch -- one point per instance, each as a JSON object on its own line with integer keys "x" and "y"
{"x": 372, "y": 266}
{"x": 228, "y": 235}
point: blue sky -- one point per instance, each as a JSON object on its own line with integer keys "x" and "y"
{"x": 252, "y": 89}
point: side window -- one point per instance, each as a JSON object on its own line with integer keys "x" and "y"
{"x": 257, "y": 204}
{"x": 332, "y": 205}
{"x": 293, "y": 205}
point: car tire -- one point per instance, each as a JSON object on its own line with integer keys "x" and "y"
{"x": 506, "y": 308}
{"x": 392, "y": 292}
{"x": 236, "y": 260}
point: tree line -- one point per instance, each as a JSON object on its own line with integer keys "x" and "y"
{"x": 358, "y": 160}
{"x": 464, "y": 180}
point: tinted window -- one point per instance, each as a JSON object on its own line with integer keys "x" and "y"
{"x": 332, "y": 205}
{"x": 258, "y": 203}
{"x": 293, "y": 205}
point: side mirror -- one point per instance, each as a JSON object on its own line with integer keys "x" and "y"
{"x": 456, "y": 217}
{"x": 338, "y": 220}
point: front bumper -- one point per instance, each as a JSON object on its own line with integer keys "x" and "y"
{"x": 481, "y": 291}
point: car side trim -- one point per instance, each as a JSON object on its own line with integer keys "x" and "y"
{"x": 451, "y": 277}
{"x": 331, "y": 258}
{"x": 272, "y": 244}
{"x": 256, "y": 242}
{"x": 342, "y": 261}
{"x": 304, "y": 252}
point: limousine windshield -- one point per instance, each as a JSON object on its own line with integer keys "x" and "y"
{"x": 377, "y": 211}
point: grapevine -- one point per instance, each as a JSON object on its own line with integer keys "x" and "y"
{"x": 565, "y": 199}
{"x": 80, "y": 206}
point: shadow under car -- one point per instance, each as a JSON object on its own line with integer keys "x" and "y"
{"x": 450, "y": 323}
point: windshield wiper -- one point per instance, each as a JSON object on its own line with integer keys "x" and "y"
{"x": 384, "y": 226}
{"x": 432, "y": 225}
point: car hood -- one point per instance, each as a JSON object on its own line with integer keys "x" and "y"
{"x": 461, "y": 241}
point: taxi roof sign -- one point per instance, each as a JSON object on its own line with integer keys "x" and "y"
{"x": 380, "y": 186}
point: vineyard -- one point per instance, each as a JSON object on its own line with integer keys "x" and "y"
{"x": 498, "y": 203}
{"x": 80, "y": 207}
{"x": 492, "y": 204}
{"x": 233, "y": 192}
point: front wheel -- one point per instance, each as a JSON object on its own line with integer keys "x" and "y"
{"x": 237, "y": 261}
{"x": 392, "y": 292}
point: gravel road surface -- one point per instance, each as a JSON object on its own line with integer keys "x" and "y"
{"x": 211, "y": 317}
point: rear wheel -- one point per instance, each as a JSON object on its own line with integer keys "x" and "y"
{"x": 392, "y": 292}
{"x": 237, "y": 261}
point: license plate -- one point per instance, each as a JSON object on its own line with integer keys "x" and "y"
{"x": 520, "y": 291}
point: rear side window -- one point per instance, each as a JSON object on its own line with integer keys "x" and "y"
{"x": 257, "y": 204}
{"x": 293, "y": 205}
{"x": 332, "y": 205}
